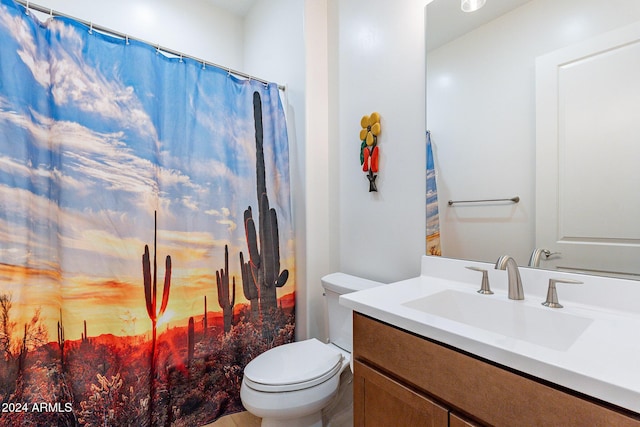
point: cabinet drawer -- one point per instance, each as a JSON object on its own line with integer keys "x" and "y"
{"x": 481, "y": 390}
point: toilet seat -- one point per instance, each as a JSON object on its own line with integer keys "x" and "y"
{"x": 295, "y": 366}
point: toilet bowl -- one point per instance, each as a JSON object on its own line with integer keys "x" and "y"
{"x": 289, "y": 385}
{"x": 293, "y": 382}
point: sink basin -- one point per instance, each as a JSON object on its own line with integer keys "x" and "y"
{"x": 541, "y": 326}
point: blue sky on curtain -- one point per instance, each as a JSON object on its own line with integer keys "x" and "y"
{"x": 97, "y": 136}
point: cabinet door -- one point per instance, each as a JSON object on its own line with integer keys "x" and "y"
{"x": 382, "y": 401}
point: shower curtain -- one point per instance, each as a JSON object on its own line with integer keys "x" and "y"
{"x": 433, "y": 216}
{"x": 146, "y": 237}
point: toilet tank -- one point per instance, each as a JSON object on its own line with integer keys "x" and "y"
{"x": 340, "y": 318}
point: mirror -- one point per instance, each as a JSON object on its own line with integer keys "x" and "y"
{"x": 481, "y": 111}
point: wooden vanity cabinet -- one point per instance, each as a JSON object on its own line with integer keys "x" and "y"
{"x": 384, "y": 402}
{"x": 401, "y": 379}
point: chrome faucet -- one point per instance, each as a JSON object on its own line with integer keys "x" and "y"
{"x": 534, "y": 260}
{"x": 505, "y": 262}
{"x": 536, "y": 255}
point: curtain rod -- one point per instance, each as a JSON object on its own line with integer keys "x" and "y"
{"x": 31, "y": 6}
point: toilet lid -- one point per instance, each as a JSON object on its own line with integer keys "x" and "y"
{"x": 293, "y": 366}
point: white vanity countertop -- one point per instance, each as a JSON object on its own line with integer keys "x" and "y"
{"x": 603, "y": 361}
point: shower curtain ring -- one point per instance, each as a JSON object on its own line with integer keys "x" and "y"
{"x": 91, "y": 28}
{"x": 26, "y": 10}
{"x": 203, "y": 65}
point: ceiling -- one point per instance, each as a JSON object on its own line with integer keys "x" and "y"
{"x": 446, "y": 21}
{"x": 237, "y": 7}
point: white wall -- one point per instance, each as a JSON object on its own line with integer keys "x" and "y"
{"x": 481, "y": 111}
{"x": 195, "y": 27}
{"x": 318, "y": 163}
{"x": 381, "y": 57}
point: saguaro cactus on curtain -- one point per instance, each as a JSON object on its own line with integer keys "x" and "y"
{"x": 265, "y": 253}
{"x": 226, "y": 292}
{"x": 150, "y": 294}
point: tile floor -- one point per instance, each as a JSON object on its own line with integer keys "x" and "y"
{"x": 241, "y": 419}
{"x": 338, "y": 414}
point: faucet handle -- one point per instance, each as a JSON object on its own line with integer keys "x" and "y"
{"x": 552, "y": 294}
{"x": 484, "y": 288}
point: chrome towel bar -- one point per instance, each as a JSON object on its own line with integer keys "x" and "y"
{"x": 515, "y": 199}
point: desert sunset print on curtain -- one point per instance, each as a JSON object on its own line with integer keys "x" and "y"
{"x": 108, "y": 146}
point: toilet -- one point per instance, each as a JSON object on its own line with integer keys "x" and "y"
{"x": 289, "y": 385}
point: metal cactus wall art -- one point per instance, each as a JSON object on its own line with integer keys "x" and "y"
{"x": 263, "y": 244}
{"x": 150, "y": 290}
{"x": 369, "y": 151}
{"x": 222, "y": 282}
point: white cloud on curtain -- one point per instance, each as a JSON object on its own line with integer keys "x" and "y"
{"x": 97, "y": 134}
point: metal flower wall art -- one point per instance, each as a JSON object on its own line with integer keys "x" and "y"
{"x": 369, "y": 151}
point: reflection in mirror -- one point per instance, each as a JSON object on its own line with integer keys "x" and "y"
{"x": 587, "y": 104}
{"x": 481, "y": 111}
